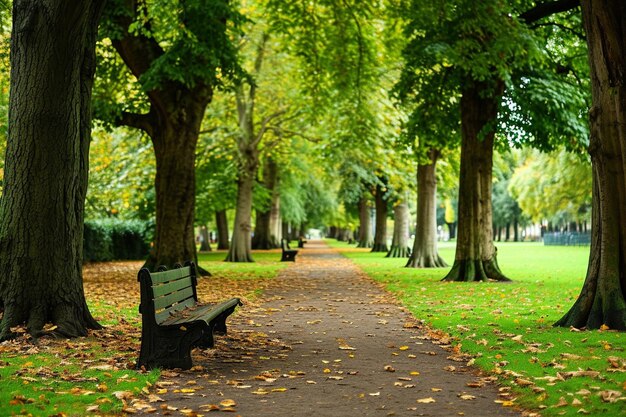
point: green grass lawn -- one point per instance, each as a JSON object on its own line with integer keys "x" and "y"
{"x": 508, "y": 326}
{"x": 95, "y": 375}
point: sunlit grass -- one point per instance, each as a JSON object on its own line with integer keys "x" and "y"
{"x": 266, "y": 264}
{"x": 508, "y": 326}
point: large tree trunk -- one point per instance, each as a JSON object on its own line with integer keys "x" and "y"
{"x": 425, "y": 253}
{"x": 602, "y": 300}
{"x": 221, "y": 222}
{"x": 175, "y": 147}
{"x": 380, "y": 236}
{"x": 475, "y": 258}
{"x": 365, "y": 234}
{"x": 41, "y": 210}
{"x": 400, "y": 241}
{"x": 173, "y": 124}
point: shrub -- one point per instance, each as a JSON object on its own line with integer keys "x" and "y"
{"x": 113, "y": 239}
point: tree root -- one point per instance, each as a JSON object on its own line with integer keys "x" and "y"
{"x": 398, "y": 252}
{"x": 422, "y": 261}
{"x": 469, "y": 270}
{"x": 380, "y": 247}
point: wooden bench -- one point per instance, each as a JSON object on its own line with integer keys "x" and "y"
{"x": 288, "y": 253}
{"x": 172, "y": 321}
{"x": 301, "y": 242}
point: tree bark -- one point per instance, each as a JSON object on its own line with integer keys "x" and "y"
{"x": 221, "y": 221}
{"x": 47, "y": 158}
{"x": 241, "y": 242}
{"x": 400, "y": 241}
{"x": 380, "y": 235}
{"x": 602, "y": 300}
{"x": 276, "y": 225}
{"x": 425, "y": 253}
{"x": 263, "y": 238}
{"x": 175, "y": 147}
{"x": 365, "y": 234}
{"x": 452, "y": 230}
{"x": 476, "y": 257}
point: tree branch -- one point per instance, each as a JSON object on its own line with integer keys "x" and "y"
{"x": 546, "y": 9}
{"x": 264, "y": 126}
{"x": 136, "y": 120}
{"x": 579, "y": 35}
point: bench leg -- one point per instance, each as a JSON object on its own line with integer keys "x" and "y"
{"x": 168, "y": 348}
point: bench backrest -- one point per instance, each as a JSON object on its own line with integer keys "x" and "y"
{"x": 168, "y": 291}
{"x": 285, "y": 244}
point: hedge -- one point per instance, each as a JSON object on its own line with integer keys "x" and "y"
{"x": 113, "y": 239}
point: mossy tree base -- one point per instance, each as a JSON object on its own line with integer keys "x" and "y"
{"x": 469, "y": 270}
{"x": 426, "y": 261}
{"x": 399, "y": 252}
{"x": 380, "y": 247}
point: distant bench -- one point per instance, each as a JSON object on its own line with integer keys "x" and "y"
{"x": 288, "y": 253}
{"x": 172, "y": 321}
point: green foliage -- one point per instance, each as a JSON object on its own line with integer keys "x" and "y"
{"x": 195, "y": 37}
{"x": 508, "y": 328}
{"x": 121, "y": 176}
{"x": 112, "y": 239}
{"x": 453, "y": 43}
{"x": 554, "y": 187}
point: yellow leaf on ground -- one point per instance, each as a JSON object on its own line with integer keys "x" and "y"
{"x": 426, "y": 400}
{"x": 228, "y": 403}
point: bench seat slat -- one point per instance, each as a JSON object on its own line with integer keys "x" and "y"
{"x": 170, "y": 275}
{"x": 170, "y": 287}
{"x": 175, "y": 297}
{"x": 205, "y": 312}
{"x": 163, "y": 315}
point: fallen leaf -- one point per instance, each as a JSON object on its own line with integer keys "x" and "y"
{"x": 426, "y": 400}
{"x": 562, "y": 402}
{"x": 228, "y": 403}
{"x": 467, "y": 397}
{"x": 389, "y": 368}
{"x": 610, "y": 396}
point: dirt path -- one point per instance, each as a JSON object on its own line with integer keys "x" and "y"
{"x": 327, "y": 341}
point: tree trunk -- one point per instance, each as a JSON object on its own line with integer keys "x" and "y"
{"x": 400, "y": 241}
{"x": 47, "y": 157}
{"x": 276, "y": 225}
{"x": 602, "y": 300}
{"x": 205, "y": 244}
{"x": 173, "y": 124}
{"x": 452, "y": 230}
{"x": 425, "y": 253}
{"x": 241, "y": 244}
{"x": 476, "y": 258}
{"x": 380, "y": 235}
{"x": 175, "y": 183}
{"x": 365, "y": 234}
{"x": 263, "y": 238}
{"x": 221, "y": 221}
